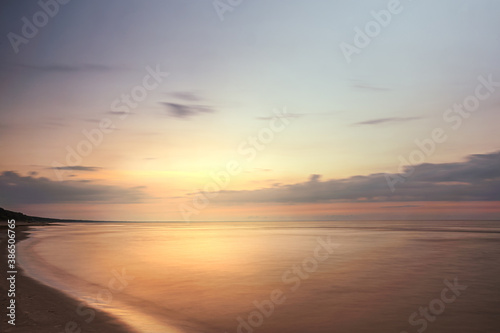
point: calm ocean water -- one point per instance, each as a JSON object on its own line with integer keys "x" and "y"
{"x": 277, "y": 277}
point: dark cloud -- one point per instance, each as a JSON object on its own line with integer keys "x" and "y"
{"x": 379, "y": 121}
{"x": 314, "y": 178}
{"x": 16, "y": 189}
{"x": 187, "y": 105}
{"x": 185, "y": 111}
{"x": 476, "y": 179}
{"x": 76, "y": 168}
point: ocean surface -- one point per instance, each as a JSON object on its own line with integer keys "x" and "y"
{"x": 307, "y": 277}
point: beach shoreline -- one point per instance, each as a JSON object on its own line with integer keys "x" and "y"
{"x": 43, "y": 309}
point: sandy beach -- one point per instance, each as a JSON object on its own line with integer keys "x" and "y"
{"x": 43, "y": 309}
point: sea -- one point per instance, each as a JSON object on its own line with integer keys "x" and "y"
{"x": 276, "y": 277}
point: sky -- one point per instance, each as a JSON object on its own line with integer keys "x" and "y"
{"x": 200, "y": 110}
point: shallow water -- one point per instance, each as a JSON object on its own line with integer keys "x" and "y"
{"x": 304, "y": 277}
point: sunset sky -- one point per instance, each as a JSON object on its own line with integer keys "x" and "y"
{"x": 263, "y": 88}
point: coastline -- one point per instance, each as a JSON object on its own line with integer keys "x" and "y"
{"x": 43, "y": 309}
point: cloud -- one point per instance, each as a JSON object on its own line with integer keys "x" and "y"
{"x": 67, "y": 68}
{"x": 118, "y": 113}
{"x": 379, "y": 121}
{"x": 314, "y": 178}
{"x": 402, "y": 206}
{"x": 187, "y": 105}
{"x": 16, "y": 189}
{"x": 76, "y": 168}
{"x": 185, "y": 111}
{"x": 475, "y": 179}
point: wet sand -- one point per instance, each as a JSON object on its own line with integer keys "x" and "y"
{"x": 43, "y": 309}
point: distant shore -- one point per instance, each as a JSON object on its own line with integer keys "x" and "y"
{"x": 40, "y": 308}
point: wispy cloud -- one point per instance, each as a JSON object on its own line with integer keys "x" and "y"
{"x": 119, "y": 113}
{"x": 65, "y": 68}
{"x": 186, "y": 111}
{"x": 476, "y": 179}
{"x": 17, "y": 189}
{"x": 76, "y": 168}
{"x": 379, "y": 121}
{"x": 186, "y": 105}
{"x": 401, "y": 206}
